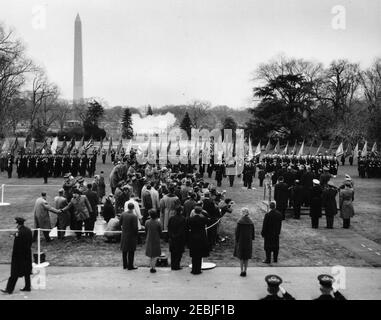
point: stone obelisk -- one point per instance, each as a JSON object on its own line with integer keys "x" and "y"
{"x": 78, "y": 69}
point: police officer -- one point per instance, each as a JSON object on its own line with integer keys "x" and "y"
{"x": 276, "y": 292}
{"x": 329, "y": 292}
{"x": 21, "y": 265}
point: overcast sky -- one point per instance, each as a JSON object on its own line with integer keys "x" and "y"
{"x": 158, "y": 52}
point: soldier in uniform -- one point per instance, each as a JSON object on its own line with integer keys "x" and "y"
{"x": 83, "y": 163}
{"x": 112, "y": 155}
{"x": 350, "y": 159}
{"x": 220, "y": 172}
{"x": 104, "y": 154}
{"x": 9, "y": 166}
{"x": 276, "y": 292}
{"x": 231, "y": 170}
{"x": 248, "y": 174}
{"x": 329, "y": 292}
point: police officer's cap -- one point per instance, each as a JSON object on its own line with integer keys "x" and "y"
{"x": 326, "y": 280}
{"x": 20, "y": 220}
{"x": 81, "y": 179}
{"x": 273, "y": 280}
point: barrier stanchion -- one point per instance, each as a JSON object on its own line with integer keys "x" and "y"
{"x": 2, "y": 203}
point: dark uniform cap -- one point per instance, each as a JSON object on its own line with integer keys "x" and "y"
{"x": 81, "y": 179}
{"x": 273, "y": 280}
{"x": 326, "y": 280}
{"x": 20, "y": 220}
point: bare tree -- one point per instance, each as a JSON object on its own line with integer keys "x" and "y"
{"x": 340, "y": 85}
{"x": 371, "y": 85}
{"x": 62, "y": 110}
{"x": 198, "y": 111}
{"x": 13, "y": 67}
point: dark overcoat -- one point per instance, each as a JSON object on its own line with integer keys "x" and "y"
{"x": 272, "y": 224}
{"x": 281, "y": 195}
{"x": 329, "y": 201}
{"x": 129, "y": 224}
{"x": 198, "y": 240}
{"x": 177, "y": 233}
{"x": 244, "y": 236}
{"x": 21, "y": 264}
{"x": 153, "y": 231}
{"x": 316, "y": 202}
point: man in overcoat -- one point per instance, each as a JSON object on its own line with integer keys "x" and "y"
{"x": 129, "y": 225}
{"x": 41, "y": 216}
{"x": 272, "y": 224}
{"x": 281, "y": 196}
{"x": 198, "y": 240}
{"x": 21, "y": 265}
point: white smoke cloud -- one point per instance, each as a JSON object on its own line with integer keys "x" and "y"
{"x": 152, "y": 124}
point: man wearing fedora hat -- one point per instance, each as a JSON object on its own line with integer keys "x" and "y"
{"x": 276, "y": 292}
{"x": 329, "y": 292}
{"x": 21, "y": 265}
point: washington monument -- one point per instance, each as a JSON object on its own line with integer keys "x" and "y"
{"x": 78, "y": 69}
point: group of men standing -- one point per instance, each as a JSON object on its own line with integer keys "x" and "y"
{"x": 47, "y": 165}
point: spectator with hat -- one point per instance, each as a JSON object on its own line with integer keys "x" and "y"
{"x": 275, "y": 290}
{"x": 41, "y": 216}
{"x": 81, "y": 209}
{"x": 63, "y": 219}
{"x": 315, "y": 205}
{"x": 328, "y": 291}
{"x": 329, "y": 203}
{"x": 346, "y": 197}
{"x": 153, "y": 231}
{"x": 177, "y": 238}
{"x": 21, "y": 264}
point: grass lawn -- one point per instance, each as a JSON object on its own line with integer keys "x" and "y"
{"x": 300, "y": 245}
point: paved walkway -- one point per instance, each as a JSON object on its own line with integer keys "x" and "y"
{"x": 219, "y": 283}
{"x": 367, "y": 249}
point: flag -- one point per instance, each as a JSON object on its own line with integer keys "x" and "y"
{"x": 15, "y": 145}
{"x": 258, "y": 149}
{"x": 268, "y": 147}
{"x": 120, "y": 145}
{"x": 71, "y": 145}
{"x": 340, "y": 150}
{"x": 329, "y": 150}
{"x": 374, "y": 148}
{"x": 54, "y": 145}
{"x": 301, "y": 150}
{"x": 34, "y": 146}
{"x": 44, "y": 146}
{"x": 293, "y": 151}
{"x": 310, "y": 148}
{"x": 89, "y": 144}
{"x": 27, "y": 140}
{"x": 318, "y": 149}
{"x": 364, "y": 152}
{"x": 110, "y": 146}
{"x": 101, "y": 145}
{"x": 81, "y": 144}
{"x": 285, "y": 149}
{"x": 5, "y": 146}
{"x": 277, "y": 147}
{"x": 356, "y": 151}
{"x": 251, "y": 155}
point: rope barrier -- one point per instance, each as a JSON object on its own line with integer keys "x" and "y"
{"x": 88, "y": 231}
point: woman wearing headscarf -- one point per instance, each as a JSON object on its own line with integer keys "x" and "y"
{"x": 346, "y": 197}
{"x": 244, "y": 236}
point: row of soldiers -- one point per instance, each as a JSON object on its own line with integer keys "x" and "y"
{"x": 48, "y": 165}
{"x": 369, "y": 166}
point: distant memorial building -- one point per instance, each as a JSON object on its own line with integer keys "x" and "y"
{"x": 78, "y": 68}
